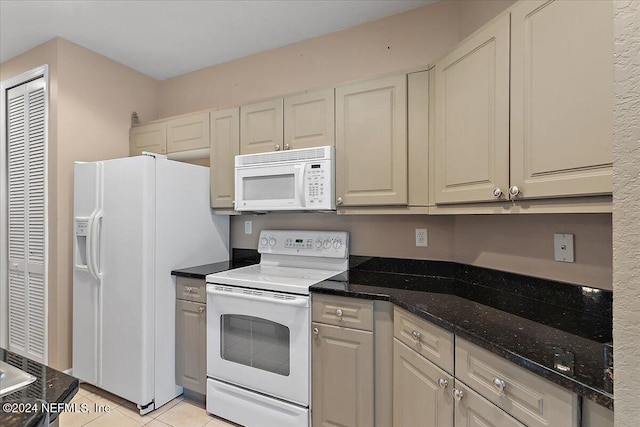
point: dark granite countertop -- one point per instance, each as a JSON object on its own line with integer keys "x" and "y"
{"x": 523, "y": 319}
{"x": 51, "y": 386}
{"x": 241, "y": 258}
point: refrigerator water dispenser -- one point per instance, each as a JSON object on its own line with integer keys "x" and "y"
{"x": 80, "y": 254}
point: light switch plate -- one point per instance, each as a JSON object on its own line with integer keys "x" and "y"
{"x": 563, "y": 247}
{"x": 248, "y": 227}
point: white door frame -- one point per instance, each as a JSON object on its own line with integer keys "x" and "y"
{"x": 37, "y": 72}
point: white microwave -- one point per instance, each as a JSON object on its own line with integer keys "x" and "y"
{"x": 291, "y": 180}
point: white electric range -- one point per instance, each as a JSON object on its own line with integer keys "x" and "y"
{"x": 259, "y": 328}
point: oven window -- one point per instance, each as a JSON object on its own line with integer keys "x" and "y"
{"x": 271, "y": 187}
{"x": 255, "y": 342}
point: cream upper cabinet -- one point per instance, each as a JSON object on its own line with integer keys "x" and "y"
{"x": 261, "y": 127}
{"x": 188, "y": 133}
{"x": 561, "y": 98}
{"x": 225, "y": 145}
{"x": 421, "y": 391}
{"x": 151, "y": 137}
{"x": 472, "y": 117}
{"x": 523, "y": 107}
{"x": 371, "y": 142}
{"x": 309, "y": 120}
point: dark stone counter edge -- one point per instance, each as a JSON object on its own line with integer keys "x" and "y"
{"x": 597, "y": 396}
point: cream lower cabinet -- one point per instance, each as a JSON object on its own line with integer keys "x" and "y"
{"x": 523, "y": 106}
{"x": 151, "y": 137}
{"x": 371, "y": 143}
{"x": 472, "y": 410}
{"x": 225, "y": 145}
{"x": 421, "y": 390}
{"x": 191, "y": 335}
{"x": 342, "y": 377}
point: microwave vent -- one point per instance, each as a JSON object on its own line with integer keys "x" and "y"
{"x": 281, "y": 156}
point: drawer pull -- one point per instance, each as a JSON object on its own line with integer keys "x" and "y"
{"x": 499, "y": 385}
{"x": 443, "y": 383}
{"x": 316, "y": 331}
{"x": 416, "y": 335}
{"x": 200, "y": 310}
{"x": 457, "y": 394}
{"x": 339, "y": 313}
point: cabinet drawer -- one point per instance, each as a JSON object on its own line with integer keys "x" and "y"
{"x": 341, "y": 311}
{"x": 431, "y": 341}
{"x": 474, "y": 410}
{"x": 191, "y": 289}
{"x": 529, "y": 398}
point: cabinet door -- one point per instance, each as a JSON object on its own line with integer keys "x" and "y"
{"x": 188, "y": 133}
{"x": 261, "y": 127}
{"x": 472, "y": 117}
{"x": 191, "y": 346}
{"x": 309, "y": 120}
{"x": 225, "y": 145}
{"x": 371, "y": 142}
{"x": 342, "y": 377}
{"x": 472, "y": 410}
{"x": 421, "y": 391}
{"x": 561, "y": 98}
{"x": 152, "y": 138}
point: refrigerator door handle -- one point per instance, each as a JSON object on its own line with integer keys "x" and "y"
{"x": 96, "y": 228}
{"x": 89, "y": 247}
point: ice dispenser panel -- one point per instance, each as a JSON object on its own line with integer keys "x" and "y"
{"x": 80, "y": 254}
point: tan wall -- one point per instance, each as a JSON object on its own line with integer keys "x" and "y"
{"x": 524, "y": 244}
{"x": 473, "y": 14}
{"x": 390, "y": 236}
{"x": 517, "y": 243}
{"x": 626, "y": 212}
{"x": 91, "y": 100}
{"x": 410, "y": 39}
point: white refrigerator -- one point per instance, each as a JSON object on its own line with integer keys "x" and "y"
{"x": 135, "y": 220}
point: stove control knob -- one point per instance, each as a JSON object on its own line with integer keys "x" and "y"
{"x": 327, "y": 244}
{"x": 337, "y": 243}
{"x": 272, "y": 241}
{"x": 263, "y": 241}
{"x": 319, "y": 243}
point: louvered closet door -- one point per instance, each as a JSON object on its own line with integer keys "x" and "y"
{"x": 26, "y": 123}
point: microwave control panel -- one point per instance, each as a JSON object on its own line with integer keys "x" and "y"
{"x": 330, "y": 244}
{"x": 318, "y": 185}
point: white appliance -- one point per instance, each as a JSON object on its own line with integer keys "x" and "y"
{"x": 136, "y": 219}
{"x": 291, "y": 180}
{"x": 259, "y": 328}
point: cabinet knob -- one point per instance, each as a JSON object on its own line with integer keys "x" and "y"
{"x": 497, "y": 192}
{"x": 514, "y": 191}
{"x": 315, "y": 331}
{"x": 416, "y": 335}
{"x": 201, "y": 309}
{"x": 457, "y": 394}
{"x": 277, "y": 147}
{"x": 339, "y": 201}
{"x": 339, "y": 313}
{"x": 286, "y": 146}
{"x": 499, "y": 385}
{"x": 443, "y": 383}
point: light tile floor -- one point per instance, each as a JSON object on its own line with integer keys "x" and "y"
{"x": 179, "y": 412}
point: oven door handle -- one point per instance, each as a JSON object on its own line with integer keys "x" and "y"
{"x": 295, "y": 301}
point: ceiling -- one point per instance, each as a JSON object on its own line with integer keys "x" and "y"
{"x": 167, "y": 38}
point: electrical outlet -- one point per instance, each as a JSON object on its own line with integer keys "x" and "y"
{"x": 422, "y": 238}
{"x": 248, "y": 227}
{"x": 563, "y": 247}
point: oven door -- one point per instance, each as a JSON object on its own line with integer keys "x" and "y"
{"x": 259, "y": 340}
{"x": 270, "y": 188}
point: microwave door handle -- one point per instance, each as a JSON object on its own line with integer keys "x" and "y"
{"x": 303, "y": 194}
